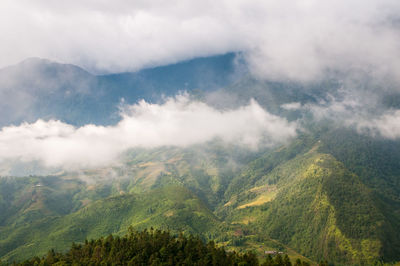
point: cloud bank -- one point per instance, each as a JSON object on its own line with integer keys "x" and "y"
{"x": 300, "y": 39}
{"x": 177, "y": 122}
{"x": 386, "y": 125}
{"x": 356, "y": 112}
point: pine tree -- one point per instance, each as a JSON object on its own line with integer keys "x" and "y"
{"x": 153, "y": 247}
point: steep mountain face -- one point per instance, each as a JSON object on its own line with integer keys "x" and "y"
{"x": 330, "y": 193}
{"x": 313, "y": 204}
{"x": 375, "y": 162}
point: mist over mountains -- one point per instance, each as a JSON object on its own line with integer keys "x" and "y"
{"x": 231, "y": 157}
{"x": 263, "y": 126}
{"x": 61, "y": 117}
{"x": 38, "y": 88}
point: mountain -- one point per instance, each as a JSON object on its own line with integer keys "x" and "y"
{"x": 318, "y": 207}
{"x": 330, "y": 193}
{"x": 38, "y": 88}
{"x": 173, "y": 208}
{"x": 297, "y": 198}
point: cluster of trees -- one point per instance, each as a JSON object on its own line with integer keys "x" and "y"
{"x": 152, "y": 247}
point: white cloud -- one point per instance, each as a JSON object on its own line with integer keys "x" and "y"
{"x": 286, "y": 39}
{"x": 291, "y": 106}
{"x": 303, "y": 39}
{"x": 298, "y": 39}
{"x": 361, "y": 112}
{"x": 177, "y": 122}
{"x": 386, "y": 125}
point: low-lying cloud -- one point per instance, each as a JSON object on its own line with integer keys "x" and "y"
{"x": 299, "y": 40}
{"x": 287, "y": 40}
{"x": 356, "y": 112}
{"x": 177, "y": 122}
{"x": 386, "y": 125}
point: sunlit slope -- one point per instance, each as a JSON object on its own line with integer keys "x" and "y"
{"x": 315, "y": 196}
{"x": 313, "y": 204}
{"x": 207, "y": 170}
{"x": 173, "y": 207}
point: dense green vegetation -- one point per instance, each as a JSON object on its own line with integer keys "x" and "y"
{"x": 316, "y": 198}
{"x": 376, "y": 162}
{"x": 174, "y": 208}
{"x": 154, "y": 247}
{"x": 317, "y": 207}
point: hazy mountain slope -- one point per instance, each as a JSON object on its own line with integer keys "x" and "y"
{"x": 271, "y": 95}
{"x": 25, "y": 199}
{"x": 203, "y": 74}
{"x": 38, "y": 88}
{"x": 205, "y": 169}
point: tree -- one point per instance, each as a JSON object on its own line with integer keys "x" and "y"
{"x": 286, "y": 260}
{"x": 268, "y": 261}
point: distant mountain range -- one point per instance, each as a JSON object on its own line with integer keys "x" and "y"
{"x": 39, "y": 88}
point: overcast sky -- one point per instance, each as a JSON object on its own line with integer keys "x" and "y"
{"x": 297, "y": 39}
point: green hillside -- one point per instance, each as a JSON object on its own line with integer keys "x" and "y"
{"x": 315, "y": 198}
{"x": 174, "y": 208}
{"x": 318, "y": 208}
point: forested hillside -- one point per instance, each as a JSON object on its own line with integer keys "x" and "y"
{"x": 155, "y": 247}
{"x": 298, "y": 199}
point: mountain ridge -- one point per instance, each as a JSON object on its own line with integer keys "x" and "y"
{"x": 50, "y": 90}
